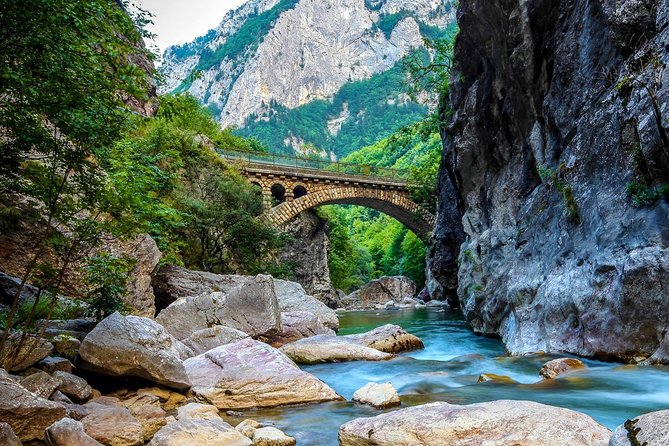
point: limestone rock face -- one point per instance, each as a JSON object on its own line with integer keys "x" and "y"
{"x": 297, "y": 325}
{"x": 388, "y": 338}
{"x": 250, "y": 307}
{"x": 535, "y": 175}
{"x": 68, "y": 432}
{"x": 651, "y": 429}
{"x": 324, "y": 348}
{"x": 498, "y": 423}
{"x": 249, "y": 373}
{"x": 308, "y": 249}
{"x": 26, "y": 413}
{"x": 139, "y": 294}
{"x": 194, "y": 432}
{"x": 379, "y": 292}
{"x": 556, "y": 367}
{"x": 378, "y": 395}
{"x": 304, "y": 56}
{"x": 134, "y": 346}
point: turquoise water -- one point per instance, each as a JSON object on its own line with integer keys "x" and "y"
{"x": 448, "y": 369}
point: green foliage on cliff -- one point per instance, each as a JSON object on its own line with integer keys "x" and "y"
{"x": 374, "y": 111}
{"x": 366, "y": 244}
{"x": 169, "y": 182}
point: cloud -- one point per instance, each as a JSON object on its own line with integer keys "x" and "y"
{"x": 180, "y": 21}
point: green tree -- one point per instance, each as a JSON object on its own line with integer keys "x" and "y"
{"x": 65, "y": 68}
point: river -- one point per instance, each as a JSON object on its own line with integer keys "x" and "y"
{"x": 448, "y": 369}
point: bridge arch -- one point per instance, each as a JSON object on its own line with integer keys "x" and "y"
{"x": 395, "y": 203}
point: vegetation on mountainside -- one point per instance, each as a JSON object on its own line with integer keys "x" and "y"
{"x": 243, "y": 42}
{"x": 373, "y": 244}
{"x": 76, "y": 165}
{"x": 372, "y": 105}
{"x": 366, "y": 244}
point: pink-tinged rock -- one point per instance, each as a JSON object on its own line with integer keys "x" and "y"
{"x": 299, "y": 324}
{"x": 497, "y": 423}
{"x": 249, "y": 373}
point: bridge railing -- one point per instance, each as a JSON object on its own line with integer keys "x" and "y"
{"x": 314, "y": 164}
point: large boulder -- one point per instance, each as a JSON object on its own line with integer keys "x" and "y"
{"x": 251, "y": 307}
{"x": 380, "y": 291}
{"x": 133, "y": 346}
{"x": 171, "y": 283}
{"x": 147, "y": 410}
{"x": 297, "y": 325}
{"x": 68, "y": 432}
{"x": 293, "y": 297}
{"x": 324, "y": 348}
{"x": 388, "y": 338}
{"x": 249, "y": 373}
{"x": 204, "y": 340}
{"x": 651, "y": 429}
{"x": 195, "y": 432}
{"x": 497, "y": 423}
{"x": 26, "y": 413}
{"x": 111, "y": 424}
{"x": 198, "y": 411}
{"x": 271, "y": 436}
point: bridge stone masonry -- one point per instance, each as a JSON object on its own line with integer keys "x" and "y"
{"x": 291, "y": 185}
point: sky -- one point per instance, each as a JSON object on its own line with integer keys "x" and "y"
{"x": 180, "y": 21}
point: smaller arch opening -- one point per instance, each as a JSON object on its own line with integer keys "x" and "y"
{"x": 299, "y": 191}
{"x": 278, "y": 193}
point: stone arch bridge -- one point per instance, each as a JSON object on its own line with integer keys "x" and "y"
{"x": 290, "y": 185}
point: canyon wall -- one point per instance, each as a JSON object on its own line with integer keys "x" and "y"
{"x": 553, "y": 221}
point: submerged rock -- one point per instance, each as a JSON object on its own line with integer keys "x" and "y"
{"x": 556, "y": 367}
{"x": 248, "y": 373}
{"x": 497, "y": 423}
{"x": 388, "y": 338}
{"x": 323, "y": 348}
{"x": 380, "y": 396}
{"x": 134, "y": 346}
{"x": 493, "y": 378}
{"x": 26, "y": 413}
{"x": 651, "y": 429}
{"x": 194, "y": 432}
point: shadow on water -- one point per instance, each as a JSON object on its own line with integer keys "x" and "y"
{"x": 448, "y": 370}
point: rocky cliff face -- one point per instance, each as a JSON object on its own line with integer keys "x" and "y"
{"x": 291, "y": 52}
{"x": 561, "y": 108}
{"x": 308, "y": 252}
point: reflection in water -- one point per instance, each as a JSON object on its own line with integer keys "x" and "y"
{"x": 448, "y": 369}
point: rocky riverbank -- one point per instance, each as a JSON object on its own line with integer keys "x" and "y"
{"x": 195, "y": 374}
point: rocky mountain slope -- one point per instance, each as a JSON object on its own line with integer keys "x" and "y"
{"x": 554, "y": 176}
{"x": 271, "y": 55}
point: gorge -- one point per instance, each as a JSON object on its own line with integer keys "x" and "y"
{"x": 336, "y": 222}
